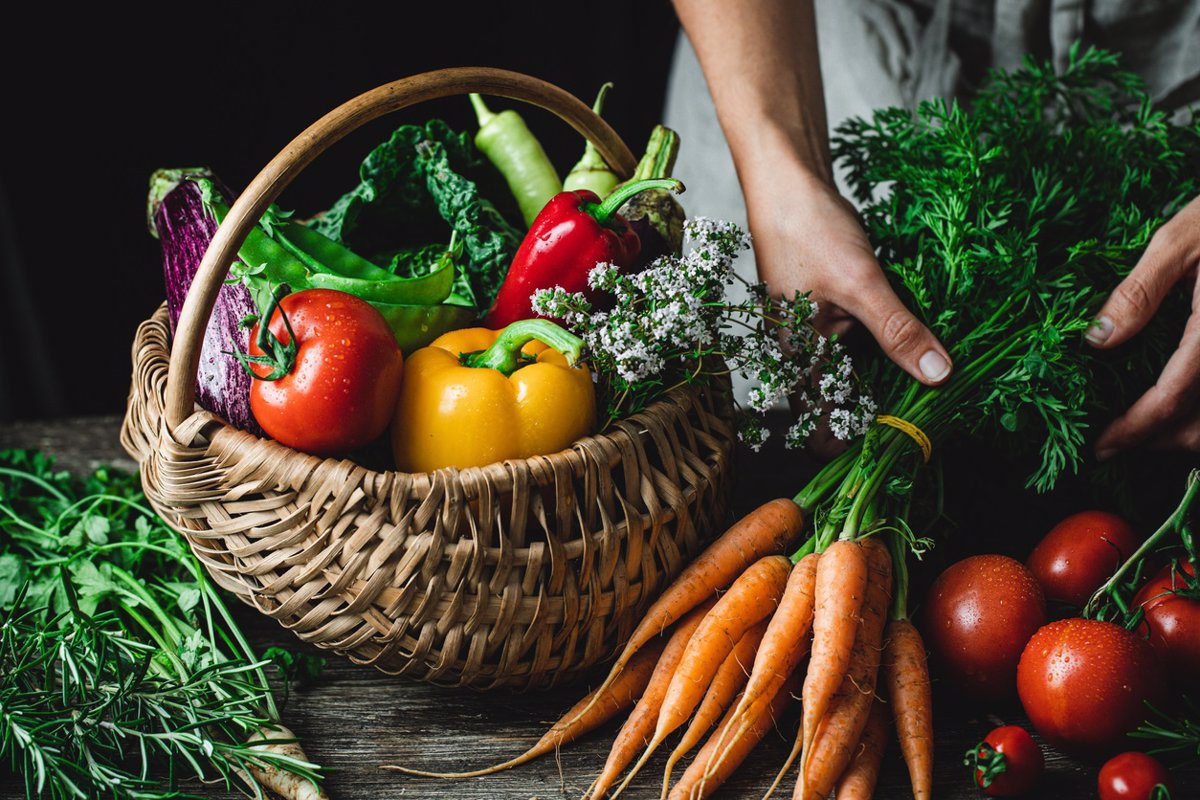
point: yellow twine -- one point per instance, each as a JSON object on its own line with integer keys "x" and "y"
{"x": 913, "y": 432}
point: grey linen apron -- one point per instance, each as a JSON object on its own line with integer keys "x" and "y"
{"x": 877, "y": 53}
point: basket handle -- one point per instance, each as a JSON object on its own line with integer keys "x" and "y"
{"x": 300, "y": 152}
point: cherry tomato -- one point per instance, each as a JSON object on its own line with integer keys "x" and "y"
{"x": 1085, "y": 684}
{"x": 978, "y": 616}
{"x": 1173, "y": 621}
{"x": 341, "y": 391}
{"x": 1079, "y": 554}
{"x": 1008, "y": 762}
{"x": 1133, "y": 776}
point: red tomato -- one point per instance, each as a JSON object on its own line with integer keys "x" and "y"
{"x": 341, "y": 392}
{"x": 1173, "y": 621}
{"x": 978, "y": 616}
{"x": 1085, "y": 683}
{"x": 1079, "y": 554}
{"x": 1008, "y": 762}
{"x": 1133, "y": 776}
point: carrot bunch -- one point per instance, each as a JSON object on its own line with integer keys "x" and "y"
{"x": 744, "y": 636}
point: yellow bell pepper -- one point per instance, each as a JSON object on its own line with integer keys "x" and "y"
{"x": 476, "y": 396}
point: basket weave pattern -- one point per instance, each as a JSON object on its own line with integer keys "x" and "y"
{"x": 518, "y": 574}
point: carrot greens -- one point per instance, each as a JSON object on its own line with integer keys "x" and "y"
{"x": 1004, "y": 225}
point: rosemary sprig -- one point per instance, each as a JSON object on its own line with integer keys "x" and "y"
{"x": 122, "y": 670}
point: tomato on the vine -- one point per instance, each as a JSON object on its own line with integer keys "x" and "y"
{"x": 1134, "y": 776}
{"x": 1085, "y": 684}
{"x": 331, "y": 384}
{"x": 1079, "y": 554}
{"x": 1007, "y": 763}
{"x": 1172, "y": 610}
{"x": 977, "y": 617}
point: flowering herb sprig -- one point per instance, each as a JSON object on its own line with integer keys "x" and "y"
{"x": 674, "y": 323}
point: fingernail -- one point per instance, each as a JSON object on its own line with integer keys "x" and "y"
{"x": 934, "y": 366}
{"x": 1105, "y": 455}
{"x": 1100, "y": 330}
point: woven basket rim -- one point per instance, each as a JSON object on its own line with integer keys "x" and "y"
{"x": 213, "y": 427}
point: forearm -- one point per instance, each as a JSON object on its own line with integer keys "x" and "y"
{"x": 761, "y": 63}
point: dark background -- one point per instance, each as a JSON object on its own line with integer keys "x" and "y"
{"x": 95, "y": 104}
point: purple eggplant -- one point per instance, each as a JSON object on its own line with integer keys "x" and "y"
{"x": 179, "y": 219}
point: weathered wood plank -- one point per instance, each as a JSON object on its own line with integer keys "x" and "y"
{"x": 353, "y": 719}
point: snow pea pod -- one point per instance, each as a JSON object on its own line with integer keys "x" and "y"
{"x": 305, "y": 259}
{"x": 417, "y": 326}
{"x": 327, "y": 254}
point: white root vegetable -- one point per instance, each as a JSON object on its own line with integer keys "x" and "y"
{"x": 281, "y": 742}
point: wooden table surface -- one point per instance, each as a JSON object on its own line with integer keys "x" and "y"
{"x": 353, "y": 719}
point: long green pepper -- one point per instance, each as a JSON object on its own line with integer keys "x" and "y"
{"x": 591, "y": 171}
{"x": 509, "y": 144}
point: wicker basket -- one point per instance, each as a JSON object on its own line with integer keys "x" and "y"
{"x": 517, "y": 574}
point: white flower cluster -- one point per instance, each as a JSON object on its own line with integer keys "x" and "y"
{"x": 662, "y": 324}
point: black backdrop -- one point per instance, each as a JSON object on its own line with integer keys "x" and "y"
{"x": 95, "y": 103}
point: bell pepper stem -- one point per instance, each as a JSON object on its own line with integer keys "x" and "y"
{"x": 604, "y": 210}
{"x": 505, "y": 353}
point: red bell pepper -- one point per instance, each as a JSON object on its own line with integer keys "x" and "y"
{"x": 572, "y": 233}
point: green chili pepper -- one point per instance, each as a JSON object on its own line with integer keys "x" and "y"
{"x": 509, "y": 144}
{"x": 592, "y": 171}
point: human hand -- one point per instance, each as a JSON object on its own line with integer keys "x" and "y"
{"x": 807, "y": 237}
{"x": 1168, "y": 414}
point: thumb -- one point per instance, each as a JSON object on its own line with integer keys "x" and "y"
{"x": 899, "y": 333}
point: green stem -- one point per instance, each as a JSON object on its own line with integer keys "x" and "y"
{"x": 504, "y": 355}
{"x": 12, "y": 473}
{"x": 211, "y": 598}
{"x": 137, "y": 591}
{"x": 899, "y": 576}
{"x": 1173, "y": 523}
{"x": 830, "y": 476}
{"x": 809, "y": 546}
{"x": 482, "y": 113}
{"x": 604, "y": 211}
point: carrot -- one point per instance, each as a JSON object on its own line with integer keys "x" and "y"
{"x": 832, "y": 746}
{"x": 840, "y": 583}
{"x": 618, "y": 696}
{"x": 639, "y": 725}
{"x": 783, "y": 646}
{"x": 751, "y": 599}
{"x": 729, "y": 680}
{"x": 906, "y": 674}
{"x": 703, "y": 776}
{"x": 770, "y": 528}
{"x": 858, "y": 781}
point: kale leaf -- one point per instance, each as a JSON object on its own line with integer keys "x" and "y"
{"x": 415, "y": 182}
